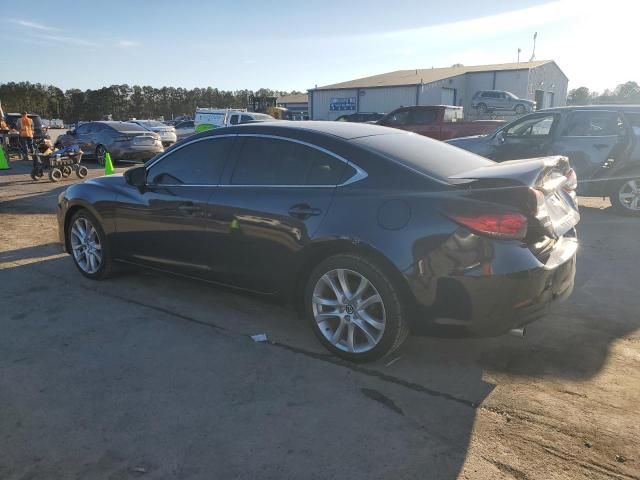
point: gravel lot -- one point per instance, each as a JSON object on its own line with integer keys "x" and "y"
{"x": 151, "y": 376}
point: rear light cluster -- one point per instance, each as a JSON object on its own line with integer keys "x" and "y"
{"x": 504, "y": 226}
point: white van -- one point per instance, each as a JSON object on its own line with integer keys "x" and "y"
{"x": 208, "y": 118}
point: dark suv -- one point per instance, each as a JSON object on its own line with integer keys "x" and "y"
{"x": 602, "y": 143}
{"x": 39, "y": 131}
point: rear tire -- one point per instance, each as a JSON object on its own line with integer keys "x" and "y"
{"x": 625, "y": 197}
{"x": 66, "y": 171}
{"x": 364, "y": 322}
{"x": 482, "y": 108}
{"x": 96, "y": 243}
{"x": 520, "y": 109}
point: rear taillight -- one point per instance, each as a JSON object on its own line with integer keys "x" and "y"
{"x": 505, "y": 226}
{"x": 571, "y": 183}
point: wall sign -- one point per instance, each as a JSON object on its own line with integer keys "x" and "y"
{"x": 339, "y": 104}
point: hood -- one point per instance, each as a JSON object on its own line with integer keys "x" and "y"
{"x": 107, "y": 180}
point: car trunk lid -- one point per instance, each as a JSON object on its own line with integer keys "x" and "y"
{"x": 543, "y": 188}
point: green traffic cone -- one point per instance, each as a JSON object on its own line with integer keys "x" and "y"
{"x": 108, "y": 165}
{"x": 4, "y": 164}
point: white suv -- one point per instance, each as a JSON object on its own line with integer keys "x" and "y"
{"x": 499, "y": 100}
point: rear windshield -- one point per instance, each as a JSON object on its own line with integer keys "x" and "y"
{"x": 425, "y": 155}
{"x": 151, "y": 123}
{"x": 127, "y": 127}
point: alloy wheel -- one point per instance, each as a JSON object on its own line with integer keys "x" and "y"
{"x": 86, "y": 246}
{"x": 349, "y": 311}
{"x": 629, "y": 195}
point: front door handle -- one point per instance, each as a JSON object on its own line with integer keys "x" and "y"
{"x": 303, "y": 211}
{"x": 600, "y": 146}
{"x": 190, "y": 209}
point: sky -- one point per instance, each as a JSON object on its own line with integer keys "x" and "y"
{"x": 293, "y": 45}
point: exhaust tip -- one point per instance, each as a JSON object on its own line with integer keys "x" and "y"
{"x": 518, "y": 332}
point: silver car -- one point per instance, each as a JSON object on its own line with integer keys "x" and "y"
{"x": 167, "y": 133}
{"x": 500, "y": 100}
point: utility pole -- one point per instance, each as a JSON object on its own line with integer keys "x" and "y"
{"x": 533, "y": 54}
{"x": 519, "y": 50}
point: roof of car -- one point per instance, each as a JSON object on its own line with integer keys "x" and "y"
{"x": 344, "y": 130}
{"x": 633, "y": 108}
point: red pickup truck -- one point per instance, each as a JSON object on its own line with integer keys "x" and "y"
{"x": 441, "y": 122}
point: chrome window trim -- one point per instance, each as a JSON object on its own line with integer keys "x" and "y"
{"x": 356, "y": 177}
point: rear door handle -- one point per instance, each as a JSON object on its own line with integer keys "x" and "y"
{"x": 303, "y": 211}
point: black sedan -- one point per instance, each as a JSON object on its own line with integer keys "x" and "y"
{"x": 371, "y": 231}
{"x": 122, "y": 140}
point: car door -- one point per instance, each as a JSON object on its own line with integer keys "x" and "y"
{"x": 528, "y": 137}
{"x": 81, "y": 137}
{"x": 589, "y": 138}
{"x": 168, "y": 225}
{"x": 92, "y": 137}
{"x": 273, "y": 202}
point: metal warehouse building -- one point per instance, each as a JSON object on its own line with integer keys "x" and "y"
{"x": 542, "y": 81}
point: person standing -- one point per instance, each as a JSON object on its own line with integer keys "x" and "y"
{"x": 24, "y": 125}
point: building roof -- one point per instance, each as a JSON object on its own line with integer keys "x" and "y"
{"x": 427, "y": 75}
{"x": 297, "y": 98}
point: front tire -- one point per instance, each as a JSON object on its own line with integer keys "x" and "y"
{"x": 482, "y": 108}
{"x": 625, "y": 197}
{"x": 354, "y": 308}
{"x": 520, "y": 109}
{"x": 89, "y": 246}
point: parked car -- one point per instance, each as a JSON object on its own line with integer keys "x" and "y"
{"x": 39, "y": 130}
{"x": 167, "y": 133}
{"x": 602, "y": 143}
{"x": 185, "y": 129}
{"x": 370, "y": 230}
{"x": 123, "y": 141}
{"x": 437, "y": 121}
{"x": 360, "y": 117}
{"x": 500, "y": 101}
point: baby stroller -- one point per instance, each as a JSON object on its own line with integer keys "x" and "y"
{"x": 60, "y": 164}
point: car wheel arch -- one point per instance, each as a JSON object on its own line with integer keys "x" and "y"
{"x": 71, "y": 211}
{"x": 320, "y": 251}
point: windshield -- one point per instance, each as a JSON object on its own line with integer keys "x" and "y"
{"x": 151, "y": 123}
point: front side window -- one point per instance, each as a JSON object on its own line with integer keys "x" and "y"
{"x": 400, "y": 117}
{"x": 531, "y": 127}
{"x": 245, "y": 119}
{"x": 198, "y": 163}
{"x": 82, "y": 129}
{"x": 269, "y": 161}
{"x": 234, "y": 120}
{"x": 593, "y": 124}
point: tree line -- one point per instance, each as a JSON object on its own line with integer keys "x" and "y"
{"x": 121, "y": 101}
{"x": 625, "y": 93}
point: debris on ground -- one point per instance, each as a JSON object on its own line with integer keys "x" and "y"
{"x": 260, "y": 337}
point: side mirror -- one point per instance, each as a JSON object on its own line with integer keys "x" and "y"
{"x": 136, "y": 177}
{"x": 70, "y": 132}
{"x": 499, "y": 138}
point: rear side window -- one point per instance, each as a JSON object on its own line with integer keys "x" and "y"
{"x": 198, "y": 163}
{"x": 234, "y": 119}
{"x": 634, "y": 121}
{"x": 423, "y": 115}
{"x": 425, "y": 155}
{"x": 269, "y": 161}
{"x": 593, "y": 124}
{"x": 245, "y": 119}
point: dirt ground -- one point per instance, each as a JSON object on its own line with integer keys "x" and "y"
{"x": 151, "y": 376}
